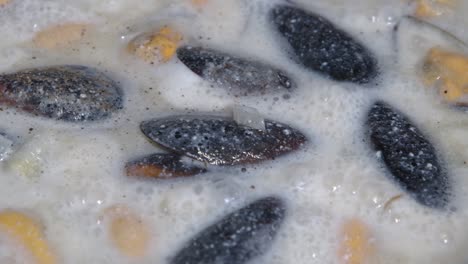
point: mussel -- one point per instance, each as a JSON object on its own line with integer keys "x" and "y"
{"x": 222, "y": 141}
{"x": 69, "y": 93}
{"x": 319, "y": 45}
{"x": 237, "y": 238}
{"x": 408, "y": 155}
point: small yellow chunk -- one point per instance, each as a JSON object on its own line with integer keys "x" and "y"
{"x": 356, "y": 243}
{"x": 29, "y": 234}
{"x": 424, "y": 9}
{"x": 60, "y": 36}
{"x": 160, "y": 46}
{"x": 428, "y": 8}
{"x": 127, "y": 231}
{"x": 450, "y": 71}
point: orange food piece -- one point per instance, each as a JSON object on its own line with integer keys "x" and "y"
{"x": 424, "y": 9}
{"x": 153, "y": 171}
{"x": 449, "y": 70}
{"x": 149, "y": 171}
{"x": 29, "y": 234}
{"x": 161, "y": 166}
{"x": 356, "y": 245}
{"x": 127, "y": 231}
{"x": 159, "y": 46}
{"x": 428, "y": 8}
{"x": 60, "y": 36}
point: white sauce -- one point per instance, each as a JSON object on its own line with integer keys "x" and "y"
{"x": 335, "y": 178}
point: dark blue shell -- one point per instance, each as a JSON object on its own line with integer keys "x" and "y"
{"x": 222, "y": 141}
{"x": 238, "y": 237}
{"x": 320, "y": 46}
{"x": 408, "y": 155}
{"x": 241, "y": 77}
{"x": 69, "y": 93}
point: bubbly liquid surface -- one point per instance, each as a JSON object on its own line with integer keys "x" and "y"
{"x": 335, "y": 177}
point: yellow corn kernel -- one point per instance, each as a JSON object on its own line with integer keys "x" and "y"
{"x": 449, "y": 70}
{"x": 356, "y": 246}
{"x": 60, "y": 36}
{"x": 451, "y": 91}
{"x": 424, "y": 9}
{"x": 29, "y": 234}
{"x": 428, "y": 8}
{"x": 127, "y": 231}
{"x": 160, "y": 46}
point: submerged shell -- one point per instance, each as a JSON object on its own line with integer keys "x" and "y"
{"x": 69, "y": 93}
{"x": 161, "y": 166}
{"x": 237, "y": 238}
{"x": 222, "y": 141}
{"x": 321, "y": 46}
{"x": 241, "y": 76}
{"x": 408, "y": 155}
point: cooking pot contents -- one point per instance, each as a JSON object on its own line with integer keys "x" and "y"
{"x": 233, "y": 131}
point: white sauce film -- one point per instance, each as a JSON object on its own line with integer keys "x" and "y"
{"x": 78, "y": 168}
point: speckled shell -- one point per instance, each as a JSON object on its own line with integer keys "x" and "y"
{"x": 237, "y": 238}
{"x": 69, "y": 93}
{"x": 221, "y": 141}
{"x": 241, "y": 77}
{"x": 408, "y": 155}
{"x": 320, "y": 46}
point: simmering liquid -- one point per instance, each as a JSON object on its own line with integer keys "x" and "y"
{"x": 69, "y": 177}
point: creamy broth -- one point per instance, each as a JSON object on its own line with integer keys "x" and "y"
{"x": 75, "y": 170}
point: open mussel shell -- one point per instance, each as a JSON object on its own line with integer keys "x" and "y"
{"x": 222, "y": 141}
